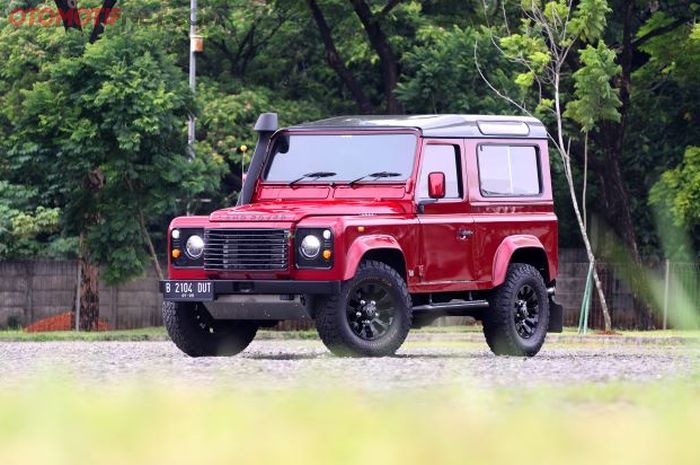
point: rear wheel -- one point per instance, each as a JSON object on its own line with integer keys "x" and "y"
{"x": 518, "y": 318}
{"x": 196, "y": 333}
{"x": 370, "y": 317}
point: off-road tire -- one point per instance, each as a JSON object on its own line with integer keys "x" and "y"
{"x": 332, "y": 321}
{"x": 197, "y": 334}
{"x": 499, "y": 320}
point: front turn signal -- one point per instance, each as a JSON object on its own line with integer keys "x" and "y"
{"x": 176, "y": 253}
{"x": 327, "y": 254}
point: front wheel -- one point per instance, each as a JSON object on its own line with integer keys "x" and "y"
{"x": 517, "y": 320}
{"x": 370, "y": 317}
{"x": 196, "y": 333}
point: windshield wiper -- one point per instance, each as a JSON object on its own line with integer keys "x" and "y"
{"x": 314, "y": 175}
{"x": 379, "y": 175}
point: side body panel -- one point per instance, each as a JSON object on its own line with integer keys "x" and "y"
{"x": 503, "y": 225}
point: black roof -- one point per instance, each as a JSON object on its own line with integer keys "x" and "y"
{"x": 439, "y": 125}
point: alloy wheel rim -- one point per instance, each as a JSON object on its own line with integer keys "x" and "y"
{"x": 526, "y": 311}
{"x": 370, "y": 310}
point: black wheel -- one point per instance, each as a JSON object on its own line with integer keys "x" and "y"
{"x": 518, "y": 318}
{"x": 196, "y": 333}
{"x": 370, "y": 317}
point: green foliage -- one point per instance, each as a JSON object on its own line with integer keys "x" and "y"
{"x": 102, "y": 126}
{"x": 664, "y": 119}
{"x": 20, "y": 223}
{"x": 441, "y": 75}
{"x": 529, "y": 48}
{"x": 595, "y": 98}
{"x": 549, "y": 30}
{"x": 678, "y": 190}
{"x": 589, "y": 19}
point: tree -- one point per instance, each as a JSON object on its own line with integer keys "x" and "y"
{"x": 548, "y": 34}
{"x": 70, "y": 15}
{"x": 372, "y": 23}
{"x": 663, "y": 117}
{"x": 335, "y": 61}
{"x": 104, "y": 122}
{"x": 439, "y": 77}
{"x": 677, "y": 196}
{"x": 595, "y": 100}
{"x": 622, "y": 143}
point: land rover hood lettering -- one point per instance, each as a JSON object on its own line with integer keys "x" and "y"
{"x": 292, "y": 212}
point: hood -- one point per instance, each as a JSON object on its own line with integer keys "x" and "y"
{"x": 295, "y": 211}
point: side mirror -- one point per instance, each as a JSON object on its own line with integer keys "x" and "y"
{"x": 436, "y": 185}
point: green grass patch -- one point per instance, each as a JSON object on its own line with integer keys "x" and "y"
{"x": 145, "y": 334}
{"x": 57, "y": 423}
{"x": 689, "y": 333}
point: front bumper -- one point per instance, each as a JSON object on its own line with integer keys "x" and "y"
{"x": 261, "y": 287}
{"x": 250, "y": 299}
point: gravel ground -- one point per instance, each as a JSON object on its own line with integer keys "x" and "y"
{"x": 280, "y": 364}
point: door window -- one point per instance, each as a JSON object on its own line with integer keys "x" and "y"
{"x": 445, "y": 159}
{"x": 508, "y": 170}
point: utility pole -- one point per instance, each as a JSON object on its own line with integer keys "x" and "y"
{"x": 194, "y": 42}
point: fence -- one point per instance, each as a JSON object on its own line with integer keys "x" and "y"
{"x": 33, "y": 290}
{"x": 681, "y": 302}
{"x": 668, "y": 293}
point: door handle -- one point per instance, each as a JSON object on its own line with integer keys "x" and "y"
{"x": 464, "y": 234}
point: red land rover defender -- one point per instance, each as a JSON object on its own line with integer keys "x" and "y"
{"x": 371, "y": 226}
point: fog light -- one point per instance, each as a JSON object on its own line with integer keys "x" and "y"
{"x": 176, "y": 253}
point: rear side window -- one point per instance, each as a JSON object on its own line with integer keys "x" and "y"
{"x": 509, "y": 170}
{"x": 445, "y": 159}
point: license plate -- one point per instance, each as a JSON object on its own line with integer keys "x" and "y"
{"x": 197, "y": 291}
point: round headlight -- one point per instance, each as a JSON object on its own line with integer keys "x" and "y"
{"x": 195, "y": 247}
{"x": 310, "y": 247}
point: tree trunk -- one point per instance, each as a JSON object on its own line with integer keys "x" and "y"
{"x": 149, "y": 245}
{"x": 616, "y": 202}
{"x": 334, "y": 60}
{"x": 89, "y": 289}
{"x": 616, "y": 210}
{"x": 69, "y": 14}
{"x": 381, "y": 45}
{"x": 566, "y": 160}
{"x": 102, "y": 19}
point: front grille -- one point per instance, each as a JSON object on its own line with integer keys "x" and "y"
{"x": 246, "y": 249}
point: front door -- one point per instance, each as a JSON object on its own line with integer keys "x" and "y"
{"x": 446, "y": 225}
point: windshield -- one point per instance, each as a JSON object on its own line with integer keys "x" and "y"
{"x": 342, "y": 158}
